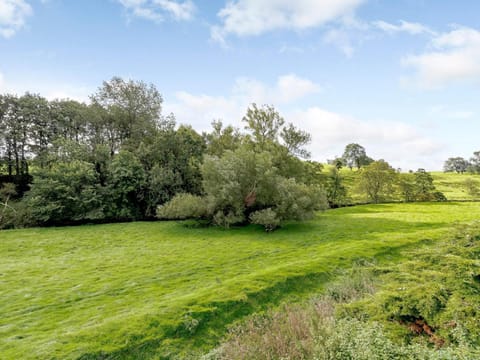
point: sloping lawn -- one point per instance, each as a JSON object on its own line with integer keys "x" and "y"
{"x": 155, "y": 290}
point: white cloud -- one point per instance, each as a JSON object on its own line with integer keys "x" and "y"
{"x": 48, "y": 89}
{"x": 13, "y": 15}
{"x": 399, "y": 143}
{"x": 254, "y": 17}
{"x": 157, "y": 10}
{"x": 340, "y": 38}
{"x": 404, "y": 26}
{"x": 200, "y": 110}
{"x": 451, "y": 57}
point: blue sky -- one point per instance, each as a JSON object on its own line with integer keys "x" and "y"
{"x": 399, "y": 77}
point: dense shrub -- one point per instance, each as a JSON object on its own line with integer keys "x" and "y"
{"x": 64, "y": 192}
{"x": 267, "y": 218}
{"x": 246, "y": 186}
{"x": 184, "y": 206}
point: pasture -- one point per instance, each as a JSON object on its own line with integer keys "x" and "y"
{"x": 163, "y": 289}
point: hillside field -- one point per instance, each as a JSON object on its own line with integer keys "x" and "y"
{"x": 452, "y": 185}
{"x": 160, "y": 289}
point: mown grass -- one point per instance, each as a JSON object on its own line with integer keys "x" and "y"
{"x": 156, "y": 290}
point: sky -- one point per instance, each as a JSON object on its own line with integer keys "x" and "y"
{"x": 401, "y": 78}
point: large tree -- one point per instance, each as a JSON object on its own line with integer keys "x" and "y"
{"x": 456, "y": 164}
{"x": 64, "y": 192}
{"x": 355, "y": 156}
{"x": 475, "y": 162}
{"x": 221, "y": 138}
{"x": 376, "y": 181}
{"x": 261, "y": 181}
{"x": 264, "y": 123}
{"x": 131, "y": 111}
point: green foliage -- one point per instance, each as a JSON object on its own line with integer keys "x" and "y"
{"x": 64, "y": 192}
{"x": 222, "y": 139}
{"x": 355, "y": 156}
{"x": 406, "y": 187}
{"x": 267, "y": 218}
{"x": 243, "y": 182}
{"x": 456, "y": 164}
{"x": 418, "y": 186}
{"x": 475, "y": 163}
{"x": 337, "y": 194}
{"x": 434, "y": 293}
{"x": 472, "y": 187}
{"x": 376, "y": 181}
{"x": 183, "y": 206}
{"x": 7, "y": 211}
{"x": 295, "y": 140}
{"x": 264, "y": 124}
{"x": 130, "y": 111}
{"x": 125, "y": 187}
{"x": 256, "y": 178}
{"x": 316, "y": 331}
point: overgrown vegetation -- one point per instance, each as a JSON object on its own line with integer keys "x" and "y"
{"x": 422, "y": 308}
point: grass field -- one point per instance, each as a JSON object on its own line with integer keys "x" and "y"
{"x": 155, "y": 290}
{"x": 452, "y": 185}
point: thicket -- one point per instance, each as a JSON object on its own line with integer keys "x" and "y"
{"x": 118, "y": 159}
{"x": 424, "y": 308}
{"x": 114, "y": 159}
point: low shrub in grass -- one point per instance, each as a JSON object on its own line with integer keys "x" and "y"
{"x": 184, "y": 206}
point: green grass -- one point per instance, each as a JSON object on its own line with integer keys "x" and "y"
{"x": 452, "y": 185}
{"x": 154, "y": 290}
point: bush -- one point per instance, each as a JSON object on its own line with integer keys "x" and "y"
{"x": 243, "y": 182}
{"x": 439, "y": 196}
{"x": 267, "y": 218}
{"x": 472, "y": 187}
{"x": 183, "y": 206}
{"x": 317, "y": 330}
{"x": 64, "y": 192}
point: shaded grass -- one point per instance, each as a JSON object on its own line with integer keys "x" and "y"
{"x": 156, "y": 290}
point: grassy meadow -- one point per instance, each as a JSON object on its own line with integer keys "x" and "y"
{"x": 166, "y": 289}
{"x": 452, "y": 185}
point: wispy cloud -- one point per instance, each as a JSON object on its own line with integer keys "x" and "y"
{"x": 403, "y": 26}
{"x": 255, "y": 17}
{"x": 159, "y": 10}
{"x": 13, "y": 16}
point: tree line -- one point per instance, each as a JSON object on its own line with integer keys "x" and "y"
{"x": 119, "y": 158}
{"x": 461, "y": 165}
